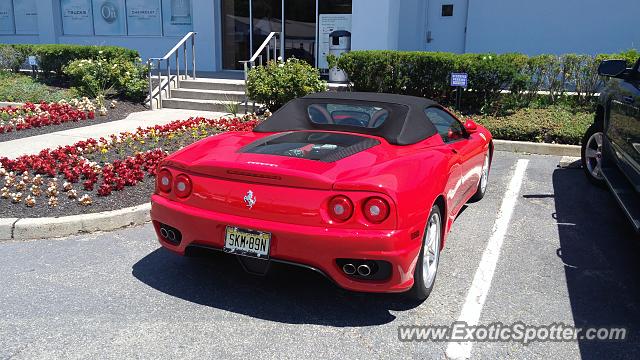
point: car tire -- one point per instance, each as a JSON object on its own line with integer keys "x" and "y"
{"x": 591, "y": 154}
{"x": 424, "y": 277}
{"x": 484, "y": 179}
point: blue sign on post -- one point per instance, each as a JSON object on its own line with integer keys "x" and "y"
{"x": 459, "y": 79}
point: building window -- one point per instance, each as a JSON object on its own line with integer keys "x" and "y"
{"x": 447, "y": 10}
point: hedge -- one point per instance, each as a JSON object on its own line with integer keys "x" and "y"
{"x": 52, "y": 58}
{"x": 426, "y": 74}
{"x": 551, "y": 125}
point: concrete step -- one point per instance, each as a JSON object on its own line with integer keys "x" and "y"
{"x": 196, "y": 94}
{"x": 202, "y": 105}
{"x": 213, "y": 84}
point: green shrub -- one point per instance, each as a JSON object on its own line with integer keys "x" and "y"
{"x": 277, "y": 83}
{"x": 103, "y": 77}
{"x": 21, "y": 88}
{"x": 10, "y": 59}
{"x": 552, "y": 125}
{"x": 426, "y": 74}
{"x": 52, "y": 58}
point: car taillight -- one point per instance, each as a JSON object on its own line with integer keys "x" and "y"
{"x": 340, "y": 208}
{"x": 164, "y": 180}
{"x": 376, "y": 210}
{"x": 182, "y": 186}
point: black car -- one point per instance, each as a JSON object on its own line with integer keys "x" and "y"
{"x": 611, "y": 146}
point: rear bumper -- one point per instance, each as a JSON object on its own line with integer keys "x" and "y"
{"x": 314, "y": 247}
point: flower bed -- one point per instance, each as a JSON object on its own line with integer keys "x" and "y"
{"x": 103, "y": 174}
{"x": 32, "y": 115}
{"x": 37, "y": 119}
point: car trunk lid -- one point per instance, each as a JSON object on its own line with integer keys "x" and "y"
{"x": 305, "y": 159}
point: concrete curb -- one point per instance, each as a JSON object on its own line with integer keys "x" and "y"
{"x": 39, "y": 228}
{"x": 9, "y": 103}
{"x": 6, "y": 228}
{"x": 537, "y": 148}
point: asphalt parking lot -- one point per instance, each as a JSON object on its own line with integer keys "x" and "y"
{"x": 568, "y": 256}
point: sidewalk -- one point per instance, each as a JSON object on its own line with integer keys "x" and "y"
{"x": 33, "y": 145}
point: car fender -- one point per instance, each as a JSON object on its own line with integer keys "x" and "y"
{"x": 413, "y": 182}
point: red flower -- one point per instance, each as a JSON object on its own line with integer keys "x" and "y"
{"x": 104, "y": 190}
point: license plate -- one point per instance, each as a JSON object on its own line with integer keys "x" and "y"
{"x": 247, "y": 242}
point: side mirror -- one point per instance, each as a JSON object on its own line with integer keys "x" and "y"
{"x": 470, "y": 126}
{"x": 612, "y": 68}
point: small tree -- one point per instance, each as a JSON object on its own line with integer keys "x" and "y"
{"x": 277, "y": 83}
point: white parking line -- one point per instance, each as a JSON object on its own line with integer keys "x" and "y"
{"x": 482, "y": 280}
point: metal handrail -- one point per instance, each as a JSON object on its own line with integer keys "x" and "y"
{"x": 266, "y": 43}
{"x": 167, "y": 58}
{"x": 248, "y": 64}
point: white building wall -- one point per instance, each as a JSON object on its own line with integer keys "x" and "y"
{"x": 205, "y": 23}
{"x": 411, "y": 27}
{"x": 553, "y": 26}
{"x": 375, "y": 24}
{"x": 533, "y": 27}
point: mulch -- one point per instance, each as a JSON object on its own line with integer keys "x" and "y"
{"x": 122, "y": 110}
{"x": 130, "y": 196}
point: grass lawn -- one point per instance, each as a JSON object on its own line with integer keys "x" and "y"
{"x": 22, "y": 88}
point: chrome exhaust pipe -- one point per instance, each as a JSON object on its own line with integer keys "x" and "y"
{"x": 164, "y": 233}
{"x": 172, "y": 235}
{"x": 364, "y": 270}
{"x": 349, "y": 269}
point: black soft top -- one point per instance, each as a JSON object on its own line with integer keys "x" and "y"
{"x": 406, "y": 124}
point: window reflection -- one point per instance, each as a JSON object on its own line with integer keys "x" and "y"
{"x": 300, "y": 26}
{"x": 235, "y": 33}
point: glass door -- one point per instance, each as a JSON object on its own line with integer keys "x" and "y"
{"x": 247, "y": 23}
{"x": 267, "y": 18}
{"x": 300, "y": 30}
{"x": 236, "y": 35}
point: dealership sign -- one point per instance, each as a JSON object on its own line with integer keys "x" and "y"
{"x": 26, "y": 17}
{"x": 144, "y": 17}
{"x": 76, "y": 17}
{"x": 109, "y": 17}
{"x": 6, "y": 17}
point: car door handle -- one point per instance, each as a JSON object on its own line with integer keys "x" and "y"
{"x": 629, "y": 99}
{"x": 454, "y": 151}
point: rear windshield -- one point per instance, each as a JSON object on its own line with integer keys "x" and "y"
{"x": 311, "y": 145}
{"x": 362, "y": 116}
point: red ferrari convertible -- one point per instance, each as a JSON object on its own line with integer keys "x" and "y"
{"x": 360, "y": 187}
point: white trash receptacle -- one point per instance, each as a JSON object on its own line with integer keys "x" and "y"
{"x": 340, "y": 43}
